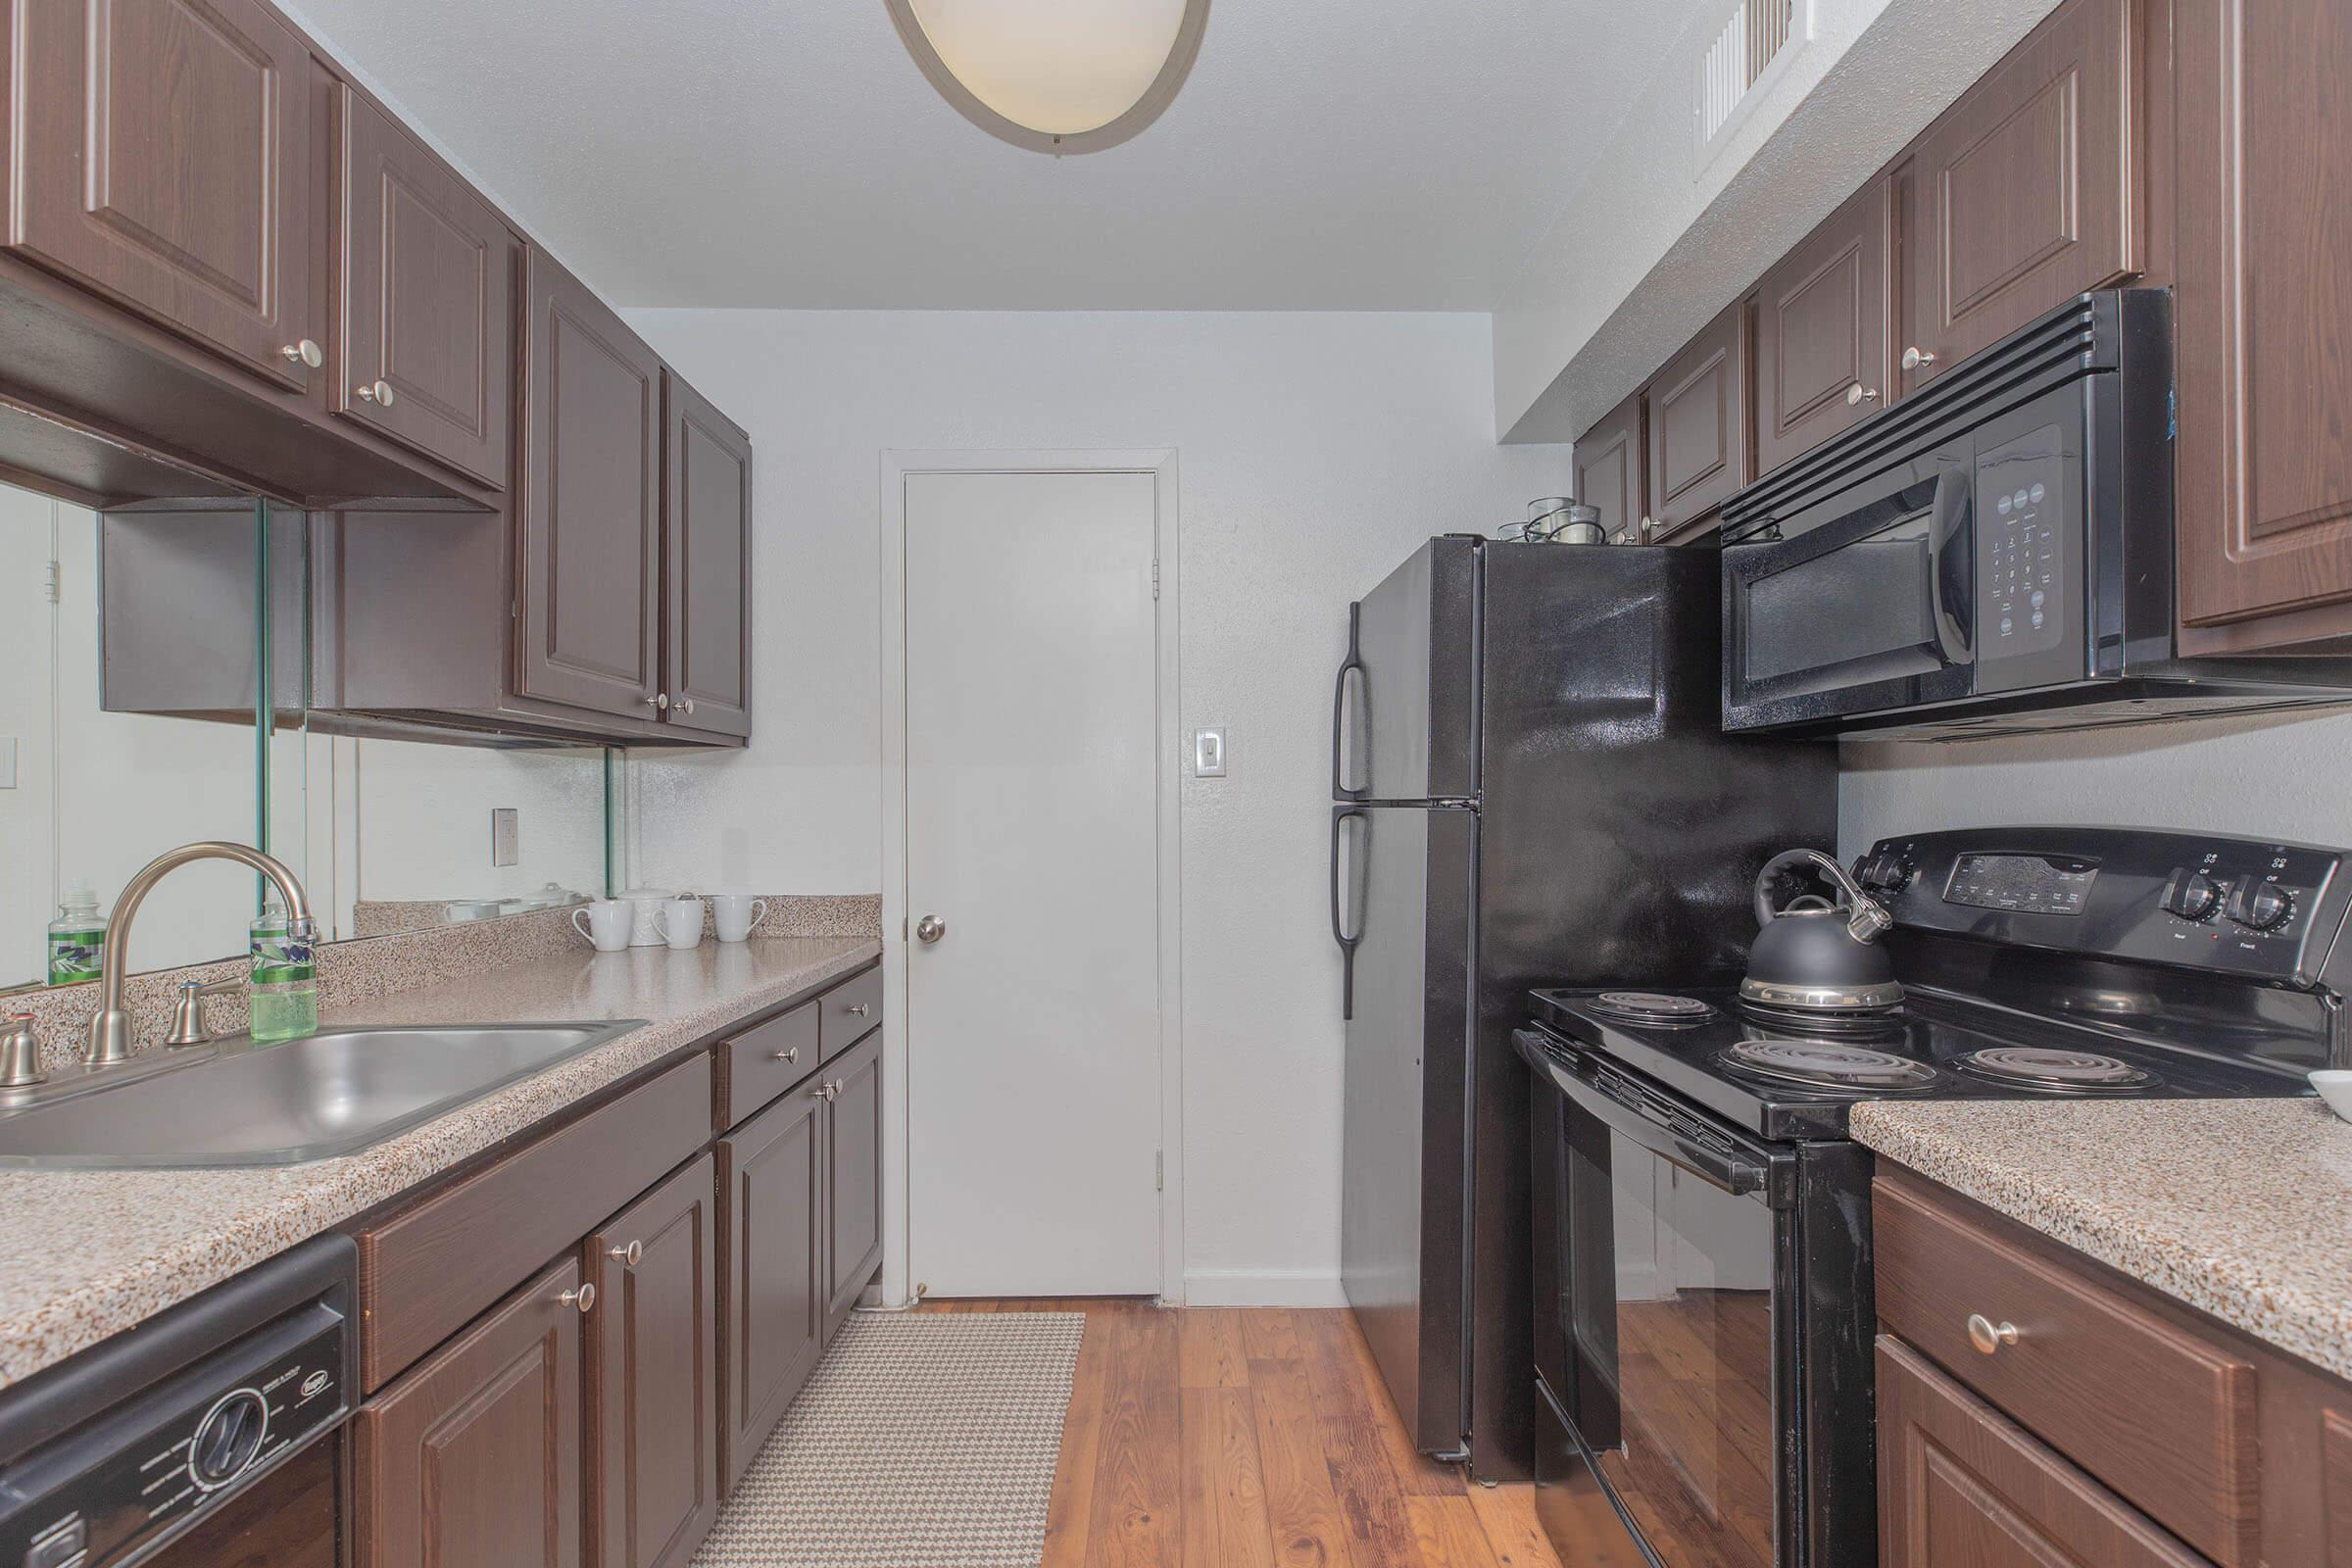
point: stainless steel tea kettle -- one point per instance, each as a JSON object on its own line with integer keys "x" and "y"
{"x": 1816, "y": 956}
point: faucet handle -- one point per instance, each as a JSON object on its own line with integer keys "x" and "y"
{"x": 19, "y": 1052}
{"x": 187, "y": 1013}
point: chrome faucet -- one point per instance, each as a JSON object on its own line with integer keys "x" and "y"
{"x": 110, "y": 1030}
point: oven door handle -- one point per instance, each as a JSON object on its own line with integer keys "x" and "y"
{"x": 1740, "y": 1172}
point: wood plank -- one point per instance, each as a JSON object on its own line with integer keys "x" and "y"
{"x": 1371, "y": 1496}
{"x": 1509, "y": 1513}
{"x": 1136, "y": 1512}
{"x": 1449, "y": 1533}
{"x": 1269, "y": 1335}
{"x": 1415, "y": 1471}
{"x": 1303, "y": 1512}
{"x": 1224, "y": 1521}
{"x": 1208, "y": 1349}
{"x": 1069, "y": 1509}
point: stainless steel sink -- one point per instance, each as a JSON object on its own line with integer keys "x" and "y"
{"x": 248, "y": 1102}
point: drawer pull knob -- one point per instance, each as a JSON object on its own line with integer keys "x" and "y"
{"x": 1858, "y": 394}
{"x": 1914, "y": 358}
{"x": 790, "y": 1054}
{"x": 584, "y": 1298}
{"x": 1986, "y": 1335}
{"x": 631, "y": 1255}
{"x": 857, "y": 1009}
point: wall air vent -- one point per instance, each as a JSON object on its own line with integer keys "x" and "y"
{"x": 1741, "y": 61}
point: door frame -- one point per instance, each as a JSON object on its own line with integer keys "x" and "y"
{"x": 1159, "y": 462}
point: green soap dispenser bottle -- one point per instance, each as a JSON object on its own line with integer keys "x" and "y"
{"x": 76, "y": 939}
{"x": 286, "y": 976}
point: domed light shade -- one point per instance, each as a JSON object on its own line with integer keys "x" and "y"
{"x": 1055, "y": 76}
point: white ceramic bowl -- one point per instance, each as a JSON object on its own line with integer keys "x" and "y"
{"x": 2336, "y": 1087}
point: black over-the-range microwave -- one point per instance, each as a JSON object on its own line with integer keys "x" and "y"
{"x": 1991, "y": 553}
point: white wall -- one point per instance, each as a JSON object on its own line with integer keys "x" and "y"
{"x": 2256, "y": 776}
{"x": 1314, "y": 451}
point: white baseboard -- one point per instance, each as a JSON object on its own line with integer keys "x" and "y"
{"x": 1267, "y": 1287}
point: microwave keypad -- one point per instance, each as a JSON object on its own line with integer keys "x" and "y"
{"x": 2024, "y": 577}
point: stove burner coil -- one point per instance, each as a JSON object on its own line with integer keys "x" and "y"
{"x": 2038, "y": 1067}
{"x": 1829, "y": 1065}
{"x": 1650, "y": 1007}
{"x": 1882, "y": 1020}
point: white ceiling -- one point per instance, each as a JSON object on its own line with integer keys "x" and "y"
{"x": 1325, "y": 154}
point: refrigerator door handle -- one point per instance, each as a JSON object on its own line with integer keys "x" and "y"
{"x": 1353, "y": 664}
{"x": 1338, "y": 924}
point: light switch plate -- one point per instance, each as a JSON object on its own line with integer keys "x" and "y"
{"x": 505, "y": 835}
{"x": 1208, "y": 754}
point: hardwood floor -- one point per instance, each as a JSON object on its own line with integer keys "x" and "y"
{"x": 1253, "y": 1438}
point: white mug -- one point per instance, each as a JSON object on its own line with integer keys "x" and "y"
{"x": 608, "y": 926}
{"x": 735, "y": 913}
{"x": 646, "y": 902}
{"x": 682, "y": 923}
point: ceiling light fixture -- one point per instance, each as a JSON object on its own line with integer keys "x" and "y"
{"x": 1055, "y": 76}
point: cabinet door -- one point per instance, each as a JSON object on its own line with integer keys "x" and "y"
{"x": 162, "y": 157}
{"x": 2027, "y": 188}
{"x": 1700, "y": 443}
{"x": 591, "y": 503}
{"x": 706, "y": 564}
{"x": 427, "y": 350}
{"x": 652, "y": 1375}
{"x": 1611, "y": 472}
{"x": 1961, "y": 1486}
{"x": 2264, "y": 309}
{"x": 772, "y": 1267}
{"x": 472, "y": 1459}
{"x": 1821, "y": 331}
{"x": 853, "y": 1177}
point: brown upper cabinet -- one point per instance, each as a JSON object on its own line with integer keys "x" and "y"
{"x": 1822, "y": 362}
{"x": 426, "y": 350}
{"x": 2262, "y": 322}
{"x": 1612, "y": 472}
{"x": 1701, "y": 441}
{"x": 591, "y": 503}
{"x": 160, "y": 158}
{"x": 706, "y": 564}
{"x": 2027, "y": 189}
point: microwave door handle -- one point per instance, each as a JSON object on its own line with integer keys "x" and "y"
{"x": 1737, "y": 1173}
{"x": 1950, "y": 576}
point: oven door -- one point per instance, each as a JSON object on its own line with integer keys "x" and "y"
{"x": 1860, "y": 603}
{"x": 1673, "y": 1240}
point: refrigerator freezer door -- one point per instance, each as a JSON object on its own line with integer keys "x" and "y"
{"x": 1403, "y": 1220}
{"x": 1406, "y": 719}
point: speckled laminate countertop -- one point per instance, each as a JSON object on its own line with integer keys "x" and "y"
{"x": 85, "y": 1254}
{"x": 2239, "y": 1207}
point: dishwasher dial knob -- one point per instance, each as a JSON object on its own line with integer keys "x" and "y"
{"x": 2259, "y": 905}
{"x": 2191, "y": 895}
{"x": 227, "y": 1438}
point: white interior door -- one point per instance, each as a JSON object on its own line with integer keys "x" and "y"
{"x": 1033, "y": 1022}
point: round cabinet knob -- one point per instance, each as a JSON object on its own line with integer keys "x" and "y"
{"x": 304, "y": 352}
{"x": 1858, "y": 394}
{"x": 857, "y": 1009}
{"x": 631, "y": 1255}
{"x": 1914, "y": 358}
{"x": 227, "y": 1438}
{"x": 789, "y": 1054}
{"x": 2259, "y": 905}
{"x": 1986, "y": 1335}
{"x": 930, "y": 928}
{"x": 378, "y": 393}
{"x": 686, "y": 705}
{"x": 2191, "y": 895}
{"x": 584, "y": 1298}
{"x": 660, "y": 700}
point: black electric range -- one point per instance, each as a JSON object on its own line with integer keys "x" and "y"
{"x": 1704, "y": 1307}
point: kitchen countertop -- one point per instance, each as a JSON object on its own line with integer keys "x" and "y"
{"x": 2241, "y": 1207}
{"x": 92, "y": 1252}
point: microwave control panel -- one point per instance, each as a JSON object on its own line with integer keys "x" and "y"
{"x": 2028, "y": 560}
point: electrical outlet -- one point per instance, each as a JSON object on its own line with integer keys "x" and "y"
{"x": 505, "y": 835}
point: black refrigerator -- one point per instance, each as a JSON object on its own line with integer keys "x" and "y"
{"x": 1531, "y": 787}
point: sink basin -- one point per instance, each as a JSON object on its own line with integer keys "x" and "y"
{"x": 250, "y": 1102}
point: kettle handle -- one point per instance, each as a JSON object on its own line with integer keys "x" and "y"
{"x": 1866, "y": 917}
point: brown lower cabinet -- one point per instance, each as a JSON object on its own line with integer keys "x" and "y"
{"x": 473, "y": 1458}
{"x": 853, "y": 1175}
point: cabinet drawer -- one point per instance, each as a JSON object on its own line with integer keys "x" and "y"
{"x": 765, "y": 1060}
{"x": 1958, "y": 1482}
{"x": 2161, "y": 1414}
{"x": 852, "y": 1009}
{"x": 428, "y": 1270}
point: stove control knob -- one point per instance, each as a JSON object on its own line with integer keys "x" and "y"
{"x": 2191, "y": 895}
{"x": 1883, "y": 872}
{"x": 2259, "y": 905}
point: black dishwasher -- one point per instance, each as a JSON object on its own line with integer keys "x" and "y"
{"x": 207, "y": 1436}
